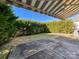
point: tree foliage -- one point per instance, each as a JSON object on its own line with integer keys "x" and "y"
{"x": 7, "y": 21}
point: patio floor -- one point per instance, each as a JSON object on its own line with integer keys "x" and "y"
{"x": 70, "y": 43}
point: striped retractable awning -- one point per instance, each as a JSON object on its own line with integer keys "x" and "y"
{"x": 58, "y": 8}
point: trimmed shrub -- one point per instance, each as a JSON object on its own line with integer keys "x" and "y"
{"x": 62, "y": 26}
{"x": 30, "y": 27}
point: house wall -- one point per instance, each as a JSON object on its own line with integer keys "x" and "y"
{"x": 76, "y": 28}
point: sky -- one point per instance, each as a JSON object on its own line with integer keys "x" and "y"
{"x": 31, "y": 15}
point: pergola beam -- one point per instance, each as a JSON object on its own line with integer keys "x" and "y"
{"x": 33, "y": 2}
{"x": 49, "y": 2}
{"x": 59, "y": 5}
{"x": 52, "y": 6}
{"x": 41, "y": 3}
{"x": 24, "y": 1}
{"x": 57, "y": 8}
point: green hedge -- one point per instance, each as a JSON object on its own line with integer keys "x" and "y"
{"x": 62, "y": 26}
{"x": 7, "y": 21}
{"x": 30, "y": 27}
